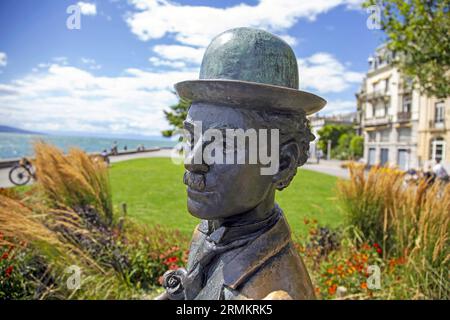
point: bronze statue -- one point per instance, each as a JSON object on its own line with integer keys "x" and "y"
{"x": 242, "y": 248}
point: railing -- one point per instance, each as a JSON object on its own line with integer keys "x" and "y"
{"x": 378, "y": 121}
{"x": 379, "y": 94}
{"x": 440, "y": 125}
{"x": 403, "y": 116}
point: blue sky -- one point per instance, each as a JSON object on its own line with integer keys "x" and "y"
{"x": 115, "y": 74}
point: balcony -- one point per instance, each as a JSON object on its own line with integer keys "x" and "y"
{"x": 375, "y": 95}
{"x": 377, "y": 121}
{"x": 403, "y": 116}
{"x": 436, "y": 125}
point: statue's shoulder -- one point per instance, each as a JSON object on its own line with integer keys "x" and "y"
{"x": 198, "y": 237}
{"x": 284, "y": 271}
{"x": 269, "y": 263}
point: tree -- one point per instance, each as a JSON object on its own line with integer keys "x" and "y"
{"x": 418, "y": 35}
{"x": 332, "y": 132}
{"x": 342, "y": 151}
{"x": 176, "y": 116}
{"x": 357, "y": 147}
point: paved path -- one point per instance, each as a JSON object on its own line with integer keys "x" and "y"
{"x": 5, "y": 183}
{"x": 331, "y": 167}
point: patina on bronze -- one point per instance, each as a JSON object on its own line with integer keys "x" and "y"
{"x": 242, "y": 248}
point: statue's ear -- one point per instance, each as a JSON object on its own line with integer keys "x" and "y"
{"x": 289, "y": 155}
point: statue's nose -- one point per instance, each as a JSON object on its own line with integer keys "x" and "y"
{"x": 194, "y": 159}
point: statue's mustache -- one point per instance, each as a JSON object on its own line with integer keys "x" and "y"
{"x": 194, "y": 180}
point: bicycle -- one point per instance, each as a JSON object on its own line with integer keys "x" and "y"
{"x": 22, "y": 172}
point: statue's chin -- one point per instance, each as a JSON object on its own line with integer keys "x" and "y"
{"x": 206, "y": 209}
{"x": 200, "y": 210}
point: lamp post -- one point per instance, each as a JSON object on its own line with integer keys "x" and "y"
{"x": 328, "y": 149}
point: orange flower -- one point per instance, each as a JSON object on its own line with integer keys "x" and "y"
{"x": 364, "y": 285}
{"x": 330, "y": 270}
{"x": 332, "y": 289}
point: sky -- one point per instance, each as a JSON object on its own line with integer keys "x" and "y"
{"x": 115, "y": 73}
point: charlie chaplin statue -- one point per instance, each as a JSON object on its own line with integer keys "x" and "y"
{"x": 242, "y": 248}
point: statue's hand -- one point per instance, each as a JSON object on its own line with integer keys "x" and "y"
{"x": 173, "y": 283}
{"x": 278, "y": 295}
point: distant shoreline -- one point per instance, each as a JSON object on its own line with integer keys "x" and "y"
{"x": 15, "y": 145}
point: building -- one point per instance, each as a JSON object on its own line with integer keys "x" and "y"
{"x": 434, "y": 131}
{"x": 400, "y": 126}
{"x": 317, "y": 122}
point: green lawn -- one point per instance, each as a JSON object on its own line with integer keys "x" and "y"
{"x": 155, "y": 194}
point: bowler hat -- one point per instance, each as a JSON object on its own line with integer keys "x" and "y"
{"x": 250, "y": 68}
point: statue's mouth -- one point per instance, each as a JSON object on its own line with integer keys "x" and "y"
{"x": 194, "y": 181}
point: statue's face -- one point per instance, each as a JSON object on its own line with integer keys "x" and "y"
{"x": 218, "y": 191}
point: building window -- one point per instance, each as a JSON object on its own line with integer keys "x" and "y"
{"x": 369, "y": 111}
{"x": 384, "y": 135}
{"x": 371, "y": 158}
{"x": 402, "y": 159}
{"x": 406, "y": 103}
{"x": 437, "y": 149}
{"x": 372, "y": 136}
{"x": 380, "y": 110}
{"x": 439, "y": 112}
{"x": 384, "y": 156}
{"x": 404, "y": 135}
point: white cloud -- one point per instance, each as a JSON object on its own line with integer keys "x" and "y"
{"x": 88, "y": 9}
{"x": 180, "y": 53}
{"x": 91, "y": 63}
{"x": 154, "y": 19}
{"x": 322, "y": 72}
{"x": 70, "y": 99}
{"x": 339, "y": 107}
{"x": 157, "y": 62}
{"x": 61, "y": 60}
{"x": 3, "y": 59}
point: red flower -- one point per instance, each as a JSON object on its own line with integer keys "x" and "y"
{"x": 376, "y": 245}
{"x": 173, "y": 267}
{"x": 379, "y": 250}
{"x": 8, "y": 271}
{"x": 5, "y": 256}
{"x": 171, "y": 260}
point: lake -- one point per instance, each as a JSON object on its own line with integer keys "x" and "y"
{"x": 13, "y": 145}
